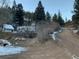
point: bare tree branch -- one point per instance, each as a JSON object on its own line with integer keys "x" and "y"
{"x": 4, "y": 3}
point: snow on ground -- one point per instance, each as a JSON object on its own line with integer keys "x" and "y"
{"x": 2, "y": 41}
{"x": 54, "y": 34}
{"x": 75, "y": 31}
{"x": 8, "y": 50}
{"x": 75, "y": 57}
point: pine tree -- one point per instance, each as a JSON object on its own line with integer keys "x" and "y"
{"x": 55, "y": 18}
{"x": 14, "y": 5}
{"x": 19, "y": 15}
{"x": 39, "y": 14}
{"x": 14, "y": 11}
{"x": 48, "y": 17}
{"x": 29, "y": 15}
{"x": 75, "y": 17}
{"x": 60, "y": 20}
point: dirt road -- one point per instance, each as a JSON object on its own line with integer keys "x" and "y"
{"x": 70, "y": 41}
{"x": 67, "y": 46}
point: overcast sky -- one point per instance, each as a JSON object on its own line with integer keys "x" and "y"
{"x": 52, "y": 6}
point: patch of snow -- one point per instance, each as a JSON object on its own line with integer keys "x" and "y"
{"x": 2, "y": 42}
{"x": 10, "y": 50}
{"x": 75, "y": 31}
{"x": 16, "y": 43}
{"x": 75, "y": 57}
{"x": 14, "y": 32}
{"x": 53, "y": 35}
{"x": 60, "y": 31}
{"x": 6, "y": 48}
{"x": 18, "y": 38}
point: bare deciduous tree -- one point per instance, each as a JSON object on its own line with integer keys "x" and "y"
{"x": 4, "y": 3}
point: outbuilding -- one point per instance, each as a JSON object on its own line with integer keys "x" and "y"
{"x": 8, "y": 28}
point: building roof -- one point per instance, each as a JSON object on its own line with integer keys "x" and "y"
{"x": 8, "y": 26}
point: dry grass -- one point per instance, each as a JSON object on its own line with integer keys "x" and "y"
{"x": 5, "y": 35}
{"x": 44, "y": 29}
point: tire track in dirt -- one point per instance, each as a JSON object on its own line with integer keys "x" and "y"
{"x": 69, "y": 42}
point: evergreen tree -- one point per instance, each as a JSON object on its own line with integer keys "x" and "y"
{"x": 48, "y": 17}
{"x": 60, "y": 20}
{"x": 29, "y": 15}
{"x": 39, "y": 14}
{"x": 14, "y": 5}
{"x": 55, "y": 18}
{"x": 19, "y": 15}
{"x": 75, "y": 17}
{"x": 66, "y": 19}
{"x": 14, "y": 11}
